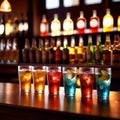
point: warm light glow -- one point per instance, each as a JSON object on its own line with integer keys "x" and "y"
{"x": 5, "y": 6}
{"x": 1, "y": 29}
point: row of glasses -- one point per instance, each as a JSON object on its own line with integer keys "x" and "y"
{"x": 54, "y": 74}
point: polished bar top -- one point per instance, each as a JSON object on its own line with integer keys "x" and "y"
{"x": 11, "y": 97}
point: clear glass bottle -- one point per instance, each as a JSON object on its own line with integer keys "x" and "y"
{"x": 44, "y": 27}
{"x": 81, "y": 23}
{"x": 38, "y": 52}
{"x": 98, "y": 51}
{"x": 32, "y": 51}
{"x": 15, "y": 51}
{"x": 108, "y": 22}
{"x": 81, "y": 57}
{"x": 51, "y": 52}
{"x": 94, "y": 22}
{"x": 106, "y": 54}
{"x": 58, "y": 52}
{"x": 72, "y": 51}
{"x": 68, "y": 26}
{"x": 90, "y": 51}
{"x": 65, "y": 52}
{"x": 55, "y": 26}
{"x": 25, "y": 51}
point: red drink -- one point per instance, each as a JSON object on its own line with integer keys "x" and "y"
{"x": 87, "y": 81}
{"x": 54, "y": 78}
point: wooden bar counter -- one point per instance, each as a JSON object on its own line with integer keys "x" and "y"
{"x": 15, "y": 105}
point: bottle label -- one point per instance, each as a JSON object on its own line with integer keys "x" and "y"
{"x": 94, "y": 23}
{"x": 43, "y": 28}
{"x": 107, "y": 22}
{"x": 80, "y": 24}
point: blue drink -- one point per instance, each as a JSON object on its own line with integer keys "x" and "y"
{"x": 69, "y": 81}
{"x": 103, "y": 81}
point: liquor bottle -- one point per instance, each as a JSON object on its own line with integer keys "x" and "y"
{"x": 2, "y": 51}
{"x": 32, "y": 51}
{"x": 38, "y": 52}
{"x": 2, "y": 26}
{"x": 44, "y": 26}
{"x": 8, "y": 27}
{"x": 90, "y": 51}
{"x": 81, "y": 23}
{"x": 51, "y": 52}
{"x": 25, "y": 51}
{"x": 118, "y": 23}
{"x": 108, "y": 22}
{"x": 15, "y": 51}
{"x": 45, "y": 51}
{"x": 81, "y": 57}
{"x": 68, "y": 26}
{"x": 106, "y": 54}
{"x": 72, "y": 51}
{"x": 8, "y": 51}
{"x": 25, "y": 25}
{"x": 15, "y": 26}
{"x": 55, "y": 26}
{"x": 98, "y": 51}
{"x": 115, "y": 50}
{"x": 94, "y": 22}
{"x": 58, "y": 52}
{"x": 21, "y": 25}
{"x": 65, "y": 52}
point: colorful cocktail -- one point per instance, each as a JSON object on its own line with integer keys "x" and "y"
{"x": 39, "y": 78}
{"x": 69, "y": 80}
{"x": 25, "y": 75}
{"x": 87, "y": 81}
{"x": 103, "y": 81}
{"x": 54, "y": 77}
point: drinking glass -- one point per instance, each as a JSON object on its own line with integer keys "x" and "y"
{"x": 39, "y": 78}
{"x": 25, "y": 75}
{"x": 54, "y": 78}
{"x": 103, "y": 81}
{"x": 87, "y": 81}
{"x": 69, "y": 80}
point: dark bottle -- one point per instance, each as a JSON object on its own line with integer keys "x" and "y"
{"x": 98, "y": 51}
{"x": 2, "y": 51}
{"x": 115, "y": 50}
{"x": 15, "y": 51}
{"x": 58, "y": 53}
{"x": 65, "y": 52}
{"x": 51, "y": 53}
{"x": 25, "y": 51}
{"x": 90, "y": 51}
{"x": 45, "y": 52}
{"x": 32, "y": 51}
{"x": 106, "y": 54}
{"x": 38, "y": 52}
{"x": 8, "y": 51}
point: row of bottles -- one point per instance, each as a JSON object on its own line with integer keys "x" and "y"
{"x": 14, "y": 27}
{"x": 81, "y": 24}
{"x": 9, "y": 51}
{"x": 47, "y": 52}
